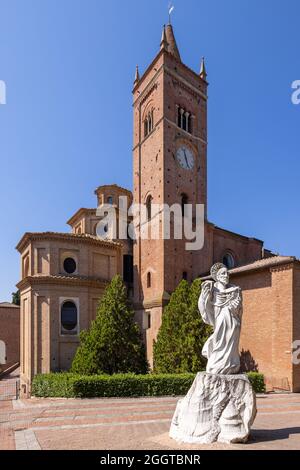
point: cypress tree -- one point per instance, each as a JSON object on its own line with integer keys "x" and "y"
{"x": 113, "y": 343}
{"x": 182, "y": 333}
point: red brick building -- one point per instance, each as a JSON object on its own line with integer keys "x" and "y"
{"x": 9, "y": 333}
{"x": 64, "y": 275}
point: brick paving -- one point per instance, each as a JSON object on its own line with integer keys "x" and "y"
{"x": 133, "y": 423}
{"x": 7, "y": 386}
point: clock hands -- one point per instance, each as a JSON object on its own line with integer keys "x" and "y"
{"x": 187, "y": 163}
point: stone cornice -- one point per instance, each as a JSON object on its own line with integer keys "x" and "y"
{"x": 284, "y": 267}
{"x": 184, "y": 84}
{"x": 70, "y": 237}
{"x": 78, "y": 281}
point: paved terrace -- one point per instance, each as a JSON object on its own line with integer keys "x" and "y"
{"x": 135, "y": 423}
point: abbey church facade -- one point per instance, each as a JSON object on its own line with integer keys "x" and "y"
{"x": 65, "y": 274}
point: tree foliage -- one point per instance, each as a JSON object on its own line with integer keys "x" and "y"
{"x": 113, "y": 343}
{"x": 16, "y": 297}
{"x": 182, "y": 333}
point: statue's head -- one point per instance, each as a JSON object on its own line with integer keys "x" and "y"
{"x": 219, "y": 273}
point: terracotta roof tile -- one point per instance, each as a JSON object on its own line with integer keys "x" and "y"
{"x": 260, "y": 264}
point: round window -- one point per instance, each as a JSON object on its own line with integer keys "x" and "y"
{"x": 68, "y": 317}
{"x": 228, "y": 260}
{"x": 70, "y": 265}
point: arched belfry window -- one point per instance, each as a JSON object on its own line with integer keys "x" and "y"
{"x": 148, "y": 207}
{"x": 146, "y": 127}
{"x": 148, "y": 123}
{"x": 184, "y": 119}
{"x": 184, "y": 201}
{"x": 228, "y": 260}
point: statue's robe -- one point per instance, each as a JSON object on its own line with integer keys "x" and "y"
{"x": 223, "y": 311}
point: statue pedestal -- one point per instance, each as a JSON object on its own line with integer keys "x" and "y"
{"x": 216, "y": 408}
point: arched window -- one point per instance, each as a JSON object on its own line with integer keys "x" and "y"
{"x": 184, "y": 119}
{"x": 146, "y": 127}
{"x": 128, "y": 268}
{"x": 68, "y": 318}
{"x": 184, "y": 201}
{"x": 189, "y": 126}
{"x": 110, "y": 200}
{"x": 148, "y": 279}
{"x": 184, "y": 126}
{"x": 149, "y": 123}
{"x": 148, "y": 207}
{"x": 228, "y": 260}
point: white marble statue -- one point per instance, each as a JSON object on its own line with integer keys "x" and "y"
{"x": 220, "y": 305}
{"x": 221, "y": 404}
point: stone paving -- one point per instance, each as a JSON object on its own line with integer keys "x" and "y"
{"x": 135, "y": 423}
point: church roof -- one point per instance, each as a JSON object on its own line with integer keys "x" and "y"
{"x": 8, "y": 305}
{"x": 264, "y": 263}
{"x": 79, "y": 213}
{"x": 74, "y": 237}
{"x": 113, "y": 186}
{"x": 259, "y": 265}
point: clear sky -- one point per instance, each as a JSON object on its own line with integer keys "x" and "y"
{"x": 69, "y": 66}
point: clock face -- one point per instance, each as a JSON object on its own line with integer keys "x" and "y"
{"x": 185, "y": 158}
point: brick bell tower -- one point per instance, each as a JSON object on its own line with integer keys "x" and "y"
{"x": 169, "y": 166}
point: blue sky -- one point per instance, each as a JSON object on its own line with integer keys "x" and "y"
{"x": 67, "y": 126}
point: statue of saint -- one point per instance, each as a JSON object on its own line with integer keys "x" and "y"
{"x": 220, "y": 305}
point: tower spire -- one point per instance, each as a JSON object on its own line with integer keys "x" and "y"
{"x": 203, "y": 73}
{"x": 172, "y": 46}
{"x": 163, "y": 42}
{"x": 137, "y": 75}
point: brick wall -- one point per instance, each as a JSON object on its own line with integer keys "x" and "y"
{"x": 10, "y": 332}
{"x": 267, "y": 326}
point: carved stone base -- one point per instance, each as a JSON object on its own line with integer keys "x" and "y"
{"x": 216, "y": 408}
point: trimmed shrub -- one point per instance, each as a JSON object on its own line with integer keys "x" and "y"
{"x": 55, "y": 384}
{"x": 130, "y": 385}
{"x": 257, "y": 381}
{"x": 121, "y": 385}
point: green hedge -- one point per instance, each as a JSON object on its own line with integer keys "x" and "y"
{"x": 121, "y": 385}
{"x": 60, "y": 384}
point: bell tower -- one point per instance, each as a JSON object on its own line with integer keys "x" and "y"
{"x": 169, "y": 166}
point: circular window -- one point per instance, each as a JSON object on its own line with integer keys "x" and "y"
{"x": 228, "y": 260}
{"x": 70, "y": 265}
{"x": 68, "y": 317}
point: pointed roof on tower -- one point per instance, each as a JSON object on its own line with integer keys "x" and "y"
{"x": 172, "y": 46}
{"x": 137, "y": 75}
{"x": 203, "y": 73}
{"x": 163, "y": 41}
